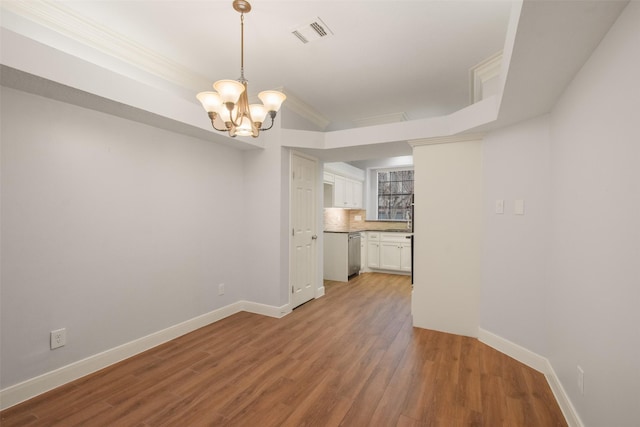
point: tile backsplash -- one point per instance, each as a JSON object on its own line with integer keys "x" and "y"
{"x": 338, "y": 219}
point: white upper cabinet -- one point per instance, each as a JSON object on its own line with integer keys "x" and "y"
{"x": 347, "y": 192}
{"x": 347, "y": 182}
{"x": 340, "y": 192}
{"x": 356, "y": 194}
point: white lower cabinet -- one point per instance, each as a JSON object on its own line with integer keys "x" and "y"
{"x": 390, "y": 255}
{"x": 373, "y": 250}
{"x": 363, "y": 251}
{"x": 336, "y": 256}
{"x": 389, "y": 251}
{"x": 405, "y": 257}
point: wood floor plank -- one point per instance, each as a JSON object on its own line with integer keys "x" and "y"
{"x": 19, "y": 419}
{"x": 367, "y": 400}
{"x": 468, "y": 390}
{"x": 350, "y": 358}
{"x": 322, "y": 406}
{"x": 405, "y": 421}
{"x": 420, "y": 401}
{"x": 494, "y": 405}
{"x": 82, "y": 416}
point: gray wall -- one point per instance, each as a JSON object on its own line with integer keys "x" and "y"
{"x": 578, "y": 170}
{"x": 111, "y": 229}
{"x": 515, "y": 267}
{"x": 595, "y": 267}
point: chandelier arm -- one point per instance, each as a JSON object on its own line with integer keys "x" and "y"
{"x": 212, "y": 116}
{"x": 219, "y": 130}
{"x": 272, "y": 115}
{"x": 242, "y": 109}
{"x": 235, "y": 122}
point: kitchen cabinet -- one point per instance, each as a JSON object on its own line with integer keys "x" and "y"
{"x": 389, "y": 251}
{"x": 347, "y": 193}
{"x": 405, "y": 256}
{"x": 390, "y": 255}
{"x": 336, "y": 258}
{"x": 328, "y": 178}
{"x": 373, "y": 250}
{"x": 363, "y": 251}
{"x": 357, "y": 194}
{"x": 340, "y": 192}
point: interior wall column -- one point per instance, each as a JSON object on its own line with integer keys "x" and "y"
{"x": 448, "y": 217}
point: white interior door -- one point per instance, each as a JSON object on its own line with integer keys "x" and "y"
{"x": 304, "y": 237}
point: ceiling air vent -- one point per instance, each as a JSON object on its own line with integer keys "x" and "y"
{"x": 300, "y": 36}
{"x": 313, "y": 30}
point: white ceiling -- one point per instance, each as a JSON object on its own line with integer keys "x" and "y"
{"x": 384, "y": 57}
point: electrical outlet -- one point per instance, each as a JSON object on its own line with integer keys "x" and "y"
{"x": 221, "y": 289}
{"x": 58, "y": 338}
{"x": 580, "y": 380}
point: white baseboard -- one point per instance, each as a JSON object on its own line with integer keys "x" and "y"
{"x": 17, "y": 393}
{"x": 320, "y": 292}
{"x": 540, "y": 364}
{"x": 569, "y": 411}
{"x": 521, "y": 354}
{"x": 30, "y": 388}
{"x": 266, "y": 310}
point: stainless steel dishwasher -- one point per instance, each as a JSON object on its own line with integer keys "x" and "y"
{"x": 354, "y": 253}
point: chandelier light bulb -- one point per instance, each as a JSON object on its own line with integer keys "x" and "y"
{"x": 229, "y": 90}
{"x": 245, "y": 128}
{"x": 225, "y": 114}
{"x": 258, "y": 112}
{"x": 272, "y": 99}
{"x": 211, "y": 101}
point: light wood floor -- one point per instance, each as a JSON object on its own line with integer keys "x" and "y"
{"x": 350, "y": 358}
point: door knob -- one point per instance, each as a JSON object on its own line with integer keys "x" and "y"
{"x": 314, "y": 237}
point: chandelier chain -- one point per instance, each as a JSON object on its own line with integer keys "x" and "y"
{"x": 242, "y": 79}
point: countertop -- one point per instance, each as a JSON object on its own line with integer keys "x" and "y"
{"x": 395, "y": 230}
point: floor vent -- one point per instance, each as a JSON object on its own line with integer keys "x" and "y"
{"x": 311, "y": 31}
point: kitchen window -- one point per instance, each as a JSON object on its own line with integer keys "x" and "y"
{"x": 395, "y": 188}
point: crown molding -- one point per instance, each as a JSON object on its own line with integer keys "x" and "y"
{"x": 447, "y": 139}
{"x": 480, "y": 73}
{"x": 298, "y": 106}
{"x": 62, "y": 20}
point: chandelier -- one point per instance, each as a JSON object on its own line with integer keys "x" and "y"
{"x": 230, "y": 102}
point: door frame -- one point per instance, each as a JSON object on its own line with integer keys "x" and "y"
{"x": 318, "y": 291}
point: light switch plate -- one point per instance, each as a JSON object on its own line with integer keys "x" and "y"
{"x": 499, "y": 206}
{"x": 518, "y": 207}
{"x": 580, "y": 380}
